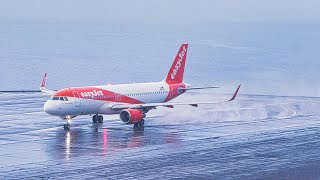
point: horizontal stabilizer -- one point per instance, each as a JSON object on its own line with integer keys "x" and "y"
{"x": 195, "y": 88}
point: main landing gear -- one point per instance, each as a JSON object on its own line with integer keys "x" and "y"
{"x": 139, "y": 124}
{"x": 97, "y": 118}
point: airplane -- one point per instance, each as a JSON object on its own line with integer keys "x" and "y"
{"x": 131, "y": 101}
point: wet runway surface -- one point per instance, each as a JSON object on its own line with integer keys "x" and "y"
{"x": 256, "y": 137}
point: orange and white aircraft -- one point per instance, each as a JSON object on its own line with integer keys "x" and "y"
{"x": 131, "y": 101}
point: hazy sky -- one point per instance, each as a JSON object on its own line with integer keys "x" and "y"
{"x": 163, "y": 11}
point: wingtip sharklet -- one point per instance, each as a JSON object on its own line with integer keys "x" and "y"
{"x": 235, "y": 93}
{"x": 43, "y": 86}
{"x": 43, "y": 83}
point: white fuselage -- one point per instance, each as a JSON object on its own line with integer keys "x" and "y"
{"x": 71, "y": 102}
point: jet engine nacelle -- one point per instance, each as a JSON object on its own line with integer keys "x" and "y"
{"x": 131, "y": 116}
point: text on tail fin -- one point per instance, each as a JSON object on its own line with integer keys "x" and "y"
{"x": 175, "y": 74}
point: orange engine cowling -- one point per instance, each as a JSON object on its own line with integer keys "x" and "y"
{"x": 131, "y": 116}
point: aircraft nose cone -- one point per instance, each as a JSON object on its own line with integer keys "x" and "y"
{"x": 48, "y": 108}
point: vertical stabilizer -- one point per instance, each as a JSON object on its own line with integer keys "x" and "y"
{"x": 175, "y": 74}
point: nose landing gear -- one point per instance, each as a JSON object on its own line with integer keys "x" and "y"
{"x": 66, "y": 126}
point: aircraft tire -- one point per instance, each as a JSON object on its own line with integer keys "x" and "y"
{"x": 94, "y": 118}
{"x": 100, "y": 119}
{"x": 141, "y": 123}
{"x": 66, "y": 127}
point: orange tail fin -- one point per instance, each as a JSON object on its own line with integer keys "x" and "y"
{"x": 175, "y": 74}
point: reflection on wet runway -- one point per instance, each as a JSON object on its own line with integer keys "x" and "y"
{"x": 104, "y": 141}
{"x": 258, "y": 137}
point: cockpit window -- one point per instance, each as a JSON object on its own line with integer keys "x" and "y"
{"x": 55, "y": 98}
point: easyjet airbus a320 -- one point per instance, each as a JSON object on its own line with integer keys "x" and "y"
{"x": 131, "y": 101}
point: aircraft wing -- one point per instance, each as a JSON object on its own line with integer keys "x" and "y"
{"x": 20, "y": 91}
{"x": 171, "y": 105}
{"x": 43, "y": 86}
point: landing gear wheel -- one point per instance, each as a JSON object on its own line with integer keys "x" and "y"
{"x": 94, "y": 118}
{"x": 141, "y": 123}
{"x": 66, "y": 127}
{"x": 100, "y": 119}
